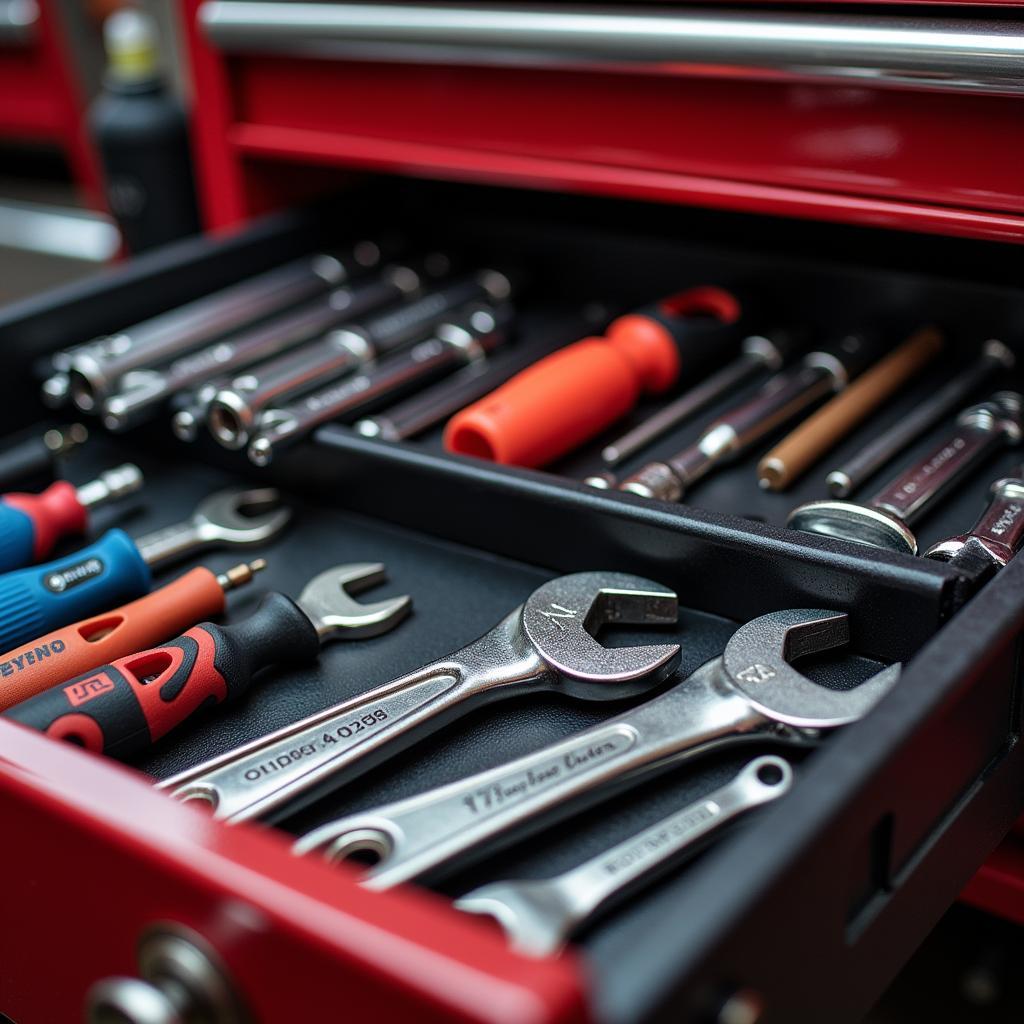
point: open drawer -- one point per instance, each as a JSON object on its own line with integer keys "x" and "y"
{"x": 804, "y": 910}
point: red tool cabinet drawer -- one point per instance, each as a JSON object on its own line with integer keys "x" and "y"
{"x": 903, "y": 121}
{"x": 887, "y": 822}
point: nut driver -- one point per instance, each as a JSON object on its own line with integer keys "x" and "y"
{"x": 72, "y": 650}
{"x": 114, "y": 569}
{"x": 779, "y": 400}
{"x": 251, "y": 403}
{"x": 32, "y": 524}
{"x": 995, "y": 538}
{"x": 885, "y": 520}
{"x": 547, "y": 643}
{"x": 88, "y": 373}
{"x": 750, "y": 693}
{"x": 141, "y": 390}
{"x": 31, "y": 460}
{"x": 538, "y": 916}
{"x": 123, "y": 708}
{"x": 467, "y": 337}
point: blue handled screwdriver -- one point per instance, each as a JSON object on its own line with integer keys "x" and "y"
{"x": 32, "y": 524}
{"x": 115, "y": 569}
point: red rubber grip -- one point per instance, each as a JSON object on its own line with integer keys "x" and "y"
{"x": 72, "y": 650}
{"x": 55, "y": 513}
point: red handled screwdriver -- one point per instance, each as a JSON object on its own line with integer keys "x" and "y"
{"x": 123, "y": 708}
{"x": 31, "y": 524}
{"x": 72, "y": 650}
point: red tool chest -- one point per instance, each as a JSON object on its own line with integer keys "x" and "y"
{"x": 40, "y": 94}
{"x": 613, "y": 158}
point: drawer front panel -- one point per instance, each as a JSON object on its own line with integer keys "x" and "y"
{"x": 724, "y": 125}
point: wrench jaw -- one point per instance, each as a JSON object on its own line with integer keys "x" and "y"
{"x": 240, "y": 518}
{"x": 327, "y": 600}
{"x": 756, "y": 663}
{"x": 560, "y": 618}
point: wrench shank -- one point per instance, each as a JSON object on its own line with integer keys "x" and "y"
{"x": 298, "y": 763}
{"x": 500, "y": 805}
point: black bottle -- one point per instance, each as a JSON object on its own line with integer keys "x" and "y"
{"x": 141, "y": 134}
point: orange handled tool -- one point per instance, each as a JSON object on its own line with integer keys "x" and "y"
{"x": 73, "y": 650}
{"x": 568, "y": 397}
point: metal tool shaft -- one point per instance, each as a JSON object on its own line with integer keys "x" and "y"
{"x": 850, "y": 476}
{"x": 885, "y": 520}
{"x": 758, "y": 355}
{"x": 539, "y": 916}
{"x": 467, "y": 338}
{"x": 142, "y": 389}
{"x": 97, "y": 367}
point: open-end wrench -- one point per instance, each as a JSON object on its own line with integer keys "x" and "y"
{"x": 996, "y": 537}
{"x": 885, "y": 520}
{"x": 124, "y": 707}
{"x": 115, "y": 569}
{"x": 547, "y": 643}
{"x": 750, "y": 692}
{"x": 538, "y": 916}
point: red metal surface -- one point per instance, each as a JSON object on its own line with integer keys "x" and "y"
{"x": 832, "y": 152}
{"x": 299, "y": 937}
{"x": 998, "y": 887}
{"x": 40, "y": 101}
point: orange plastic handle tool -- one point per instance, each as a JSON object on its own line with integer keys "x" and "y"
{"x": 72, "y": 650}
{"x": 566, "y": 398}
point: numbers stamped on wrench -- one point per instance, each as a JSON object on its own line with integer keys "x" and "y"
{"x": 756, "y": 673}
{"x": 505, "y": 792}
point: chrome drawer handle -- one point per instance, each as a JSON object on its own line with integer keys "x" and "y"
{"x": 931, "y": 53}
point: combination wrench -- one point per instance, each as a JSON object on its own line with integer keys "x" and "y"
{"x": 547, "y": 643}
{"x": 539, "y": 916}
{"x": 885, "y": 520}
{"x": 749, "y": 693}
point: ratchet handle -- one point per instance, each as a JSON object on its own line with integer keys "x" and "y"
{"x": 50, "y": 515}
{"x": 123, "y": 708}
{"x": 40, "y": 598}
{"x": 72, "y": 650}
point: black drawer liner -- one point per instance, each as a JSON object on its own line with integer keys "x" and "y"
{"x": 818, "y": 900}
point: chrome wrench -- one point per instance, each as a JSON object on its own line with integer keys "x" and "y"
{"x": 538, "y": 916}
{"x": 750, "y": 692}
{"x": 547, "y": 643}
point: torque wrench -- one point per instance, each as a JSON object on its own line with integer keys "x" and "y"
{"x": 824, "y": 429}
{"x": 145, "y": 387}
{"x": 539, "y": 916}
{"x": 72, "y": 650}
{"x": 750, "y": 693}
{"x": 780, "y": 400}
{"x": 757, "y": 354}
{"x": 544, "y": 644}
{"x": 996, "y": 537}
{"x": 237, "y": 413}
{"x": 558, "y": 403}
{"x": 467, "y": 337}
{"x": 31, "y": 462}
{"x": 32, "y": 524}
{"x": 849, "y": 477}
{"x": 114, "y": 569}
{"x": 123, "y": 708}
{"x": 94, "y": 368}
{"x": 885, "y": 520}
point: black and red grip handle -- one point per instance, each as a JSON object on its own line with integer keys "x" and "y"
{"x": 123, "y": 708}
